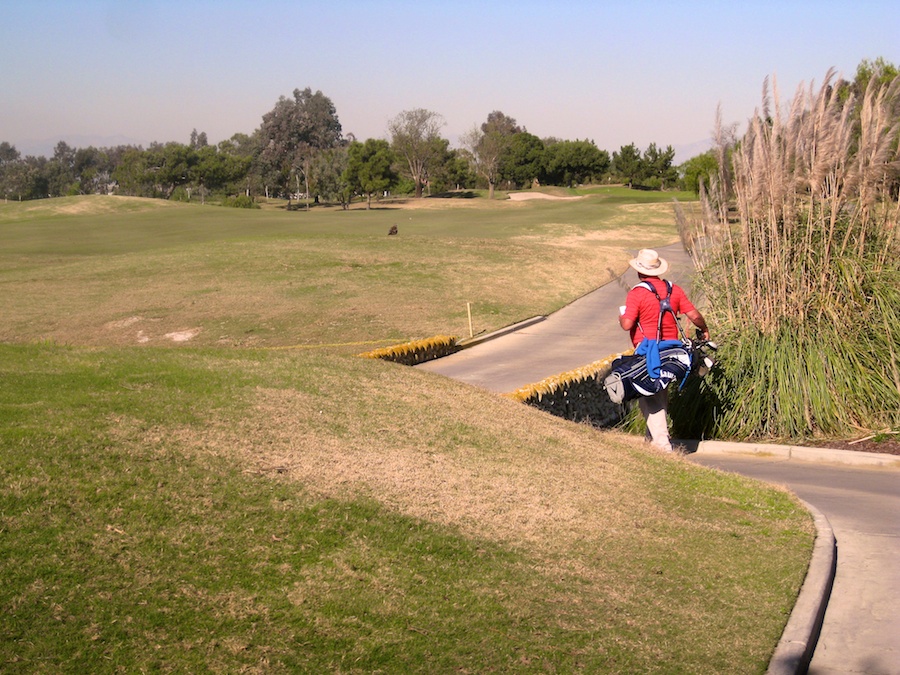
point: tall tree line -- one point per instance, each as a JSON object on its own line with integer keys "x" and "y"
{"x": 300, "y": 152}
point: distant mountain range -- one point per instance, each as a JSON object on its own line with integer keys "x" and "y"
{"x": 685, "y": 152}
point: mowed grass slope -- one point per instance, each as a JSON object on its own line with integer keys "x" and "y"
{"x": 206, "y": 508}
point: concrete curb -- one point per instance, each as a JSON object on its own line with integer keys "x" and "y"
{"x": 796, "y": 647}
{"x": 826, "y": 455}
{"x": 465, "y": 343}
{"x": 798, "y": 641}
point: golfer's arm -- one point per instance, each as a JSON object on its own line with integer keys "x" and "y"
{"x": 697, "y": 319}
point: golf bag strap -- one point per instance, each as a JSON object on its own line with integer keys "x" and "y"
{"x": 665, "y": 305}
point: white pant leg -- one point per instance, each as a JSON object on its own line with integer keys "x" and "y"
{"x": 655, "y": 410}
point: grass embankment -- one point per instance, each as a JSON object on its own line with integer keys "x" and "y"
{"x": 202, "y": 509}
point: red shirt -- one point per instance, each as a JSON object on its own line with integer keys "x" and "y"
{"x": 642, "y": 307}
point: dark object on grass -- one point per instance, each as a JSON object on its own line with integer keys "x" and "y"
{"x": 393, "y": 230}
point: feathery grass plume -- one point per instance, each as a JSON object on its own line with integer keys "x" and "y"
{"x": 798, "y": 252}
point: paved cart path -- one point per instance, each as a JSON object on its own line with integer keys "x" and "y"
{"x": 862, "y": 622}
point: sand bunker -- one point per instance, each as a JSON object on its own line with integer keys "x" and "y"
{"x": 520, "y": 196}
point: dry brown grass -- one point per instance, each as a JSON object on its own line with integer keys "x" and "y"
{"x": 266, "y": 501}
{"x": 649, "y": 215}
{"x": 463, "y": 468}
{"x": 437, "y": 450}
{"x": 588, "y": 509}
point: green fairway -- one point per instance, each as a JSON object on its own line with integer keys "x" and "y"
{"x": 204, "y": 502}
{"x": 106, "y": 270}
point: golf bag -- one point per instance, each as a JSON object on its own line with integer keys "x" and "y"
{"x": 630, "y": 377}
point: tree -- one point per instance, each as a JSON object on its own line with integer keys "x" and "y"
{"x": 60, "y": 171}
{"x": 572, "y": 162}
{"x": 483, "y": 154}
{"x": 172, "y": 165}
{"x": 241, "y": 145}
{"x": 157, "y": 171}
{"x": 413, "y": 138}
{"x": 244, "y": 150}
{"x": 21, "y": 180}
{"x": 93, "y": 169}
{"x": 213, "y": 170}
{"x": 8, "y": 153}
{"x": 328, "y": 169}
{"x": 501, "y": 124}
{"x": 879, "y": 71}
{"x": 34, "y": 176}
{"x": 9, "y": 159}
{"x": 627, "y": 163}
{"x": 697, "y": 170}
{"x": 15, "y": 174}
{"x": 133, "y": 174}
{"x": 293, "y": 132}
{"x": 486, "y": 146}
{"x": 449, "y": 169}
{"x": 370, "y": 167}
{"x": 658, "y": 166}
{"x": 198, "y": 140}
{"x": 523, "y": 160}
{"x": 324, "y": 131}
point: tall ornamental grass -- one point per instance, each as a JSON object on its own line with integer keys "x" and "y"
{"x": 798, "y": 255}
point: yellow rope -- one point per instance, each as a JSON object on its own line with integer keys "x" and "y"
{"x": 334, "y": 344}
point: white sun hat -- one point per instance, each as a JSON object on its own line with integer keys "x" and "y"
{"x": 648, "y": 262}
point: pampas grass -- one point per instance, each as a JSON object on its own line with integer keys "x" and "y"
{"x": 798, "y": 254}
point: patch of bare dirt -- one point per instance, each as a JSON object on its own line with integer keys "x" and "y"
{"x": 559, "y": 236}
{"x": 435, "y": 202}
{"x": 182, "y": 335}
{"x": 135, "y": 328}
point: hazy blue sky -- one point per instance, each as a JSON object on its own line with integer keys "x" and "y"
{"x": 108, "y": 71}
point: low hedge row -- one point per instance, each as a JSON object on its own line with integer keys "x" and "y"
{"x": 418, "y": 351}
{"x": 577, "y": 395}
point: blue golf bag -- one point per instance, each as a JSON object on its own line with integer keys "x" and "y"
{"x": 630, "y": 378}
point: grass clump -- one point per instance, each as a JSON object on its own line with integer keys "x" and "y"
{"x": 799, "y": 259}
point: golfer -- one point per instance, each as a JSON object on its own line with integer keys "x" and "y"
{"x": 640, "y": 316}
